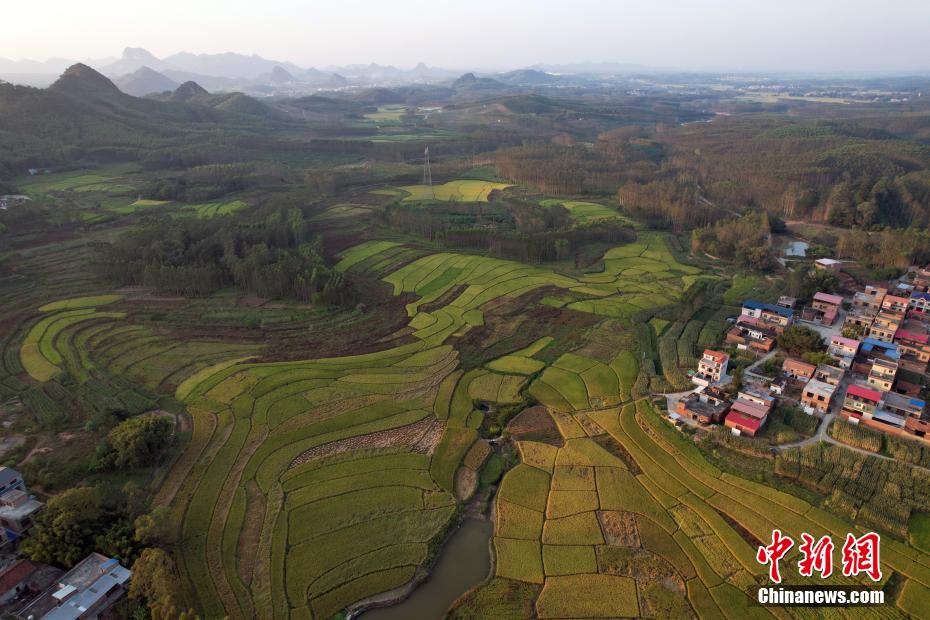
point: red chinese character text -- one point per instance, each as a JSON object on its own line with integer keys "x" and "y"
{"x": 773, "y": 553}
{"x": 860, "y": 555}
{"x": 817, "y": 556}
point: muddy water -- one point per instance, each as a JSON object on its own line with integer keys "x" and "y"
{"x": 463, "y": 563}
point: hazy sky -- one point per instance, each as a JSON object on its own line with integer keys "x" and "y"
{"x": 870, "y": 35}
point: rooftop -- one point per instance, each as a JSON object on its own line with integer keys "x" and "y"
{"x": 864, "y": 392}
{"x": 749, "y": 408}
{"x": 820, "y": 388}
{"x": 15, "y": 575}
{"x": 717, "y": 356}
{"x": 826, "y": 298}
{"x": 845, "y": 342}
{"x": 752, "y": 304}
{"x": 828, "y": 261}
{"x": 79, "y": 589}
{"x": 791, "y": 363}
{"x": 746, "y": 421}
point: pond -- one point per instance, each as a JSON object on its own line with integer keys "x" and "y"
{"x": 464, "y": 562}
{"x": 797, "y": 248}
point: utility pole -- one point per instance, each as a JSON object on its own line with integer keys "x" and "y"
{"x": 428, "y": 173}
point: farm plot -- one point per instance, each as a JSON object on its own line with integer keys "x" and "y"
{"x": 467, "y": 190}
{"x": 587, "y": 212}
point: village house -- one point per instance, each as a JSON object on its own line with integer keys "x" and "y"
{"x": 896, "y": 304}
{"x": 712, "y": 368}
{"x": 914, "y": 347}
{"x": 870, "y": 300}
{"x": 704, "y": 405}
{"x": 23, "y": 580}
{"x": 858, "y": 320}
{"x": 748, "y": 413}
{"x": 860, "y": 401}
{"x": 751, "y": 334}
{"x": 844, "y": 350}
{"x": 829, "y": 264}
{"x": 829, "y": 374}
{"x": 86, "y": 591}
{"x": 882, "y": 374}
{"x": 772, "y": 316}
{"x": 798, "y": 371}
{"x": 787, "y": 302}
{"x": 921, "y": 279}
{"x": 919, "y": 306}
{"x": 17, "y": 507}
{"x": 885, "y": 325}
{"x": 817, "y": 396}
{"x": 824, "y": 309}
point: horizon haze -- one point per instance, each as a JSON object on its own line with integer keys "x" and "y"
{"x": 721, "y": 35}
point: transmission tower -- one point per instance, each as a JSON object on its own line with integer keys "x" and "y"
{"x": 428, "y": 173}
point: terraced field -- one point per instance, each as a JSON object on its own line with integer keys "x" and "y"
{"x": 627, "y": 505}
{"x": 288, "y": 458}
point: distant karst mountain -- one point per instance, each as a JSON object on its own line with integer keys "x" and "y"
{"x": 189, "y": 90}
{"x": 144, "y": 81}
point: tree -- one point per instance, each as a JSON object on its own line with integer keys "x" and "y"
{"x": 798, "y": 339}
{"x": 155, "y": 583}
{"x": 137, "y": 442}
{"x": 818, "y": 357}
{"x": 63, "y": 533}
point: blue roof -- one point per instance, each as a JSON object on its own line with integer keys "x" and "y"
{"x": 917, "y": 402}
{"x": 752, "y": 304}
{"x": 891, "y": 350}
{"x": 924, "y": 296}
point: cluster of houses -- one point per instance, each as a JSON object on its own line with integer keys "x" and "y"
{"x": 711, "y": 404}
{"x": 878, "y": 359}
{"x": 33, "y": 591}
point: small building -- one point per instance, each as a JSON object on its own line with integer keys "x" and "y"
{"x": 712, "y": 368}
{"x": 885, "y": 325}
{"x": 772, "y": 316}
{"x": 859, "y": 319}
{"x": 872, "y": 348}
{"x": 861, "y": 401}
{"x": 870, "y": 300}
{"x": 746, "y": 417}
{"x": 10, "y": 480}
{"x": 904, "y": 406}
{"x": 829, "y": 374}
{"x": 796, "y": 370}
{"x": 758, "y": 397}
{"x": 829, "y": 264}
{"x": 896, "y": 304}
{"x": 86, "y": 591}
{"x": 817, "y": 396}
{"x": 882, "y": 374}
{"x": 787, "y": 302}
{"x": 749, "y": 334}
{"x": 919, "y": 306}
{"x": 23, "y": 581}
{"x": 704, "y": 406}
{"x": 914, "y": 346}
{"x": 17, "y": 512}
{"x": 824, "y": 309}
{"x": 844, "y": 350}
{"x": 14, "y": 581}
